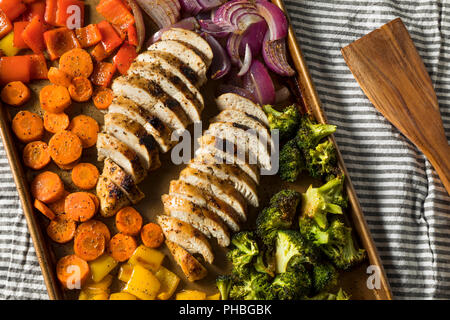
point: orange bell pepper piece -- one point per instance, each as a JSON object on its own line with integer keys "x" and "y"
{"x": 12, "y": 8}
{"x": 132, "y": 35}
{"x": 116, "y": 12}
{"x": 5, "y": 24}
{"x": 99, "y": 53}
{"x": 32, "y": 35}
{"x": 38, "y": 67}
{"x": 124, "y": 57}
{"x": 19, "y": 26}
{"x": 16, "y": 68}
{"x": 65, "y": 19}
{"x": 35, "y": 9}
{"x": 59, "y": 41}
{"x": 110, "y": 38}
{"x": 50, "y": 11}
{"x": 88, "y": 36}
{"x": 103, "y": 73}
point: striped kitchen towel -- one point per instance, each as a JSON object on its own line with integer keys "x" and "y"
{"x": 405, "y": 205}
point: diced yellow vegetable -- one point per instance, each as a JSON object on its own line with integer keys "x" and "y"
{"x": 101, "y": 266}
{"x": 98, "y": 287}
{"x": 169, "y": 282}
{"x": 142, "y": 284}
{"x": 7, "y": 45}
{"x": 150, "y": 258}
{"x": 100, "y": 296}
{"x": 214, "y": 296}
{"x": 125, "y": 272}
{"x": 84, "y": 295}
{"x": 191, "y": 295}
{"x": 88, "y": 295}
{"x": 122, "y": 296}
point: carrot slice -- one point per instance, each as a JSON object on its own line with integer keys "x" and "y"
{"x": 46, "y": 211}
{"x": 128, "y": 221}
{"x": 95, "y": 226}
{"x": 86, "y": 128}
{"x": 61, "y": 229}
{"x": 103, "y": 98}
{"x": 89, "y": 245}
{"x": 15, "y": 93}
{"x": 69, "y": 267}
{"x": 65, "y": 147}
{"x": 27, "y": 126}
{"x": 35, "y": 155}
{"x": 54, "y": 98}
{"x": 69, "y": 166}
{"x": 96, "y": 201}
{"x": 58, "y": 206}
{"x": 47, "y": 187}
{"x": 80, "y": 89}
{"x": 122, "y": 247}
{"x": 85, "y": 176}
{"x": 152, "y": 235}
{"x": 79, "y": 206}
{"x": 55, "y": 122}
{"x": 76, "y": 63}
{"x": 59, "y": 77}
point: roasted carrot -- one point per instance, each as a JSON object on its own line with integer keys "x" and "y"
{"x": 46, "y": 211}
{"x": 95, "y": 226}
{"x": 86, "y": 128}
{"x": 103, "y": 98}
{"x": 15, "y": 93}
{"x": 68, "y": 166}
{"x": 72, "y": 271}
{"x": 59, "y": 77}
{"x": 76, "y": 63}
{"x": 89, "y": 245}
{"x": 85, "y": 176}
{"x": 58, "y": 206}
{"x": 36, "y": 155}
{"x": 54, "y": 98}
{"x": 152, "y": 235}
{"x": 88, "y": 36}
{"x": 80, "y": 89}
{"x": 32, "y": 35}
{"x": 55, "y": 122}
{"x": 103, "y": 73}
{"x": 47, "y": 187}
{"x": 59, "y": 41}
{"x": 79, "y": 206}
{"x": 122, "y": 247}
{"x": 96, "y": 201}
{"x": 27, "y": 126}
{"x": 65, "y": 147}
{"x": 128, "y": 221}
{"x": 61, "y": 229}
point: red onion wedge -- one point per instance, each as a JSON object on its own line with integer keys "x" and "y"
{"x": 188, "y": 24}
{"x": 210, "y": 4}
{"x": 157, "y": 13}
{"x": 227, "y": 88}
{"x": 139, "y": 20}
{"x": 274, "y": 54}
{"x": 191, "y": 6}
{"x": 274, "y": 17}
{"x": 237, "y": 14}
{"x": 221, "y": 64}
{"x": 247, "y": 61}
{"x": 257, "y": 80}
{"x": 206, "y": 25}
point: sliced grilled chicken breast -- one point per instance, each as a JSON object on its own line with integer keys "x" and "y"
{"x": 207, "y": 200}
{"x": 152, "y": 97}
{"x": 237, "y": 102}
{"x": 123, "y": 180}
{"x": 243, "y": 137}
{"x": 192, "y": 38}
{"x": 111, "y": 197}
{"x": 134, "y": 136}
{"x": 222, "y": 190}
{"x": 186, "y": 236}
{"x": 153, "y": 125}
{"x": 185, "y": 54}
{"x": 230, "y": 173}
{"x": 172, "y": 85}
{"x": 111, "y": 147}
{"x": 216, "y": 147}
{"x": 192, "y": 268}
{"x": 200, "y": 218}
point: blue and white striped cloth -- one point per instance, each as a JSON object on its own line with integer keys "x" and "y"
{"x": 407, "y": 208}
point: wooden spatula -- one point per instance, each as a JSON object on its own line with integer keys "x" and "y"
{"x": 392, "y": 75}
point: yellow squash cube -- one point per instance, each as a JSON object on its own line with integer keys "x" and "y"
{"x": 122, "y": 296}
{"x": 214, "y": 296}
{"x": 102, "y": 266}
{"x": 88, "y": 295}
{"x": 191, "y": 295}
{"x": 125, "y": 271}
{"x": 98, "y": 287}
{"x": 142, "y": 284}
{"x": 169, "y": 282}
{"x": 150, "y": 258}
{"x": 7, "y": 45}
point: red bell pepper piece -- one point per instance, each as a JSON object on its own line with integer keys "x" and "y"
{"x": 38, "y": 66}
{"x": 99, "y": 53}
{"x": 67, "y": 17}
{"x": 132, "y": 35}
{"x": 124, "y": 57}
{"x": 12, "y": 8}
{"x": 88, "y": 36}
{"x": 5, "y": 24}
{"x": 35, "y": 9}
{"x": 18, "y": 42}
{"x": 16, "y": 68}
{"x": 103, "y": 73}
{"x": 33, "y": 35}
{"x": 60, "y": 40}
{"x": 50, "y": 11}
{"x": 116, "y": 12}
{"x": 110, "y": 38}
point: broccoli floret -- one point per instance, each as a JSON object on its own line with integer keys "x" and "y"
{"x": 278, "y": 215}
{"x": 311, "y": 132}
{"x": 224, "y": 283}
{"x": 256, "y": 286}
{"x": 241, "y": 257}
{"x": 317, "y": 202}
{"x": 325, "y": 277}
{"x": 291, "y": 251}
{"x": 286, "y": 121}
{"x": 320, "y": 161}
{"x": 291, "y": 161}
{"x": 265, "y": 262}
{"x": 292, "y": 285}
{"x": 312, "y": 232}
{"x": 340, "y": 295}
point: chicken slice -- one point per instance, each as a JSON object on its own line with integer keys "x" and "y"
{"x": 186, "y": 236}
{"x": 236, "y": 102}
{"x": 192, "y": 268}
{"x": 111, "y": 197}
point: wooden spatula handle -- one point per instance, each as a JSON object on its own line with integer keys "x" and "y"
{"x": 439, "y": 157}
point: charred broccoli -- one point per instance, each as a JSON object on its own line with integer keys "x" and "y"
{"x": 245, "y": 249}
{"x": 265, "y": 262}
{"x": 292, "y": 285}
{"x": 291, "y": 161}
{"x": 321, "y": 160}
{"x": 278, "y": 215}
{"x": 255, "y": 286}
{"x": 310, "y": 133}
{"x": 324, "y": 277}
{"x": 286, "y": 121}
{"x": 291, "y": 251}
{"x": 224, "y": 284}
{"x": 340, "y": 295}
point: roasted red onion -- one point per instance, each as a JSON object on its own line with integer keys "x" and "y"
{"x": 221, "y": 64}
{"x": 156, "y": 12}
{"x": 188, "y": 24}
{"x": 237, "y": 14}
{"x": 206, "y": 25}
{"x": 274, "y": 54}
{"x": 210, "y": 4}
{"x": 257, "y": 80}
{"x": 227, "y": 88}
{"x": 191, "y": 6}
{"x": 247, "y": 61}
{"x": 274, "y": 17}
{"x": 139, "y": 20}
